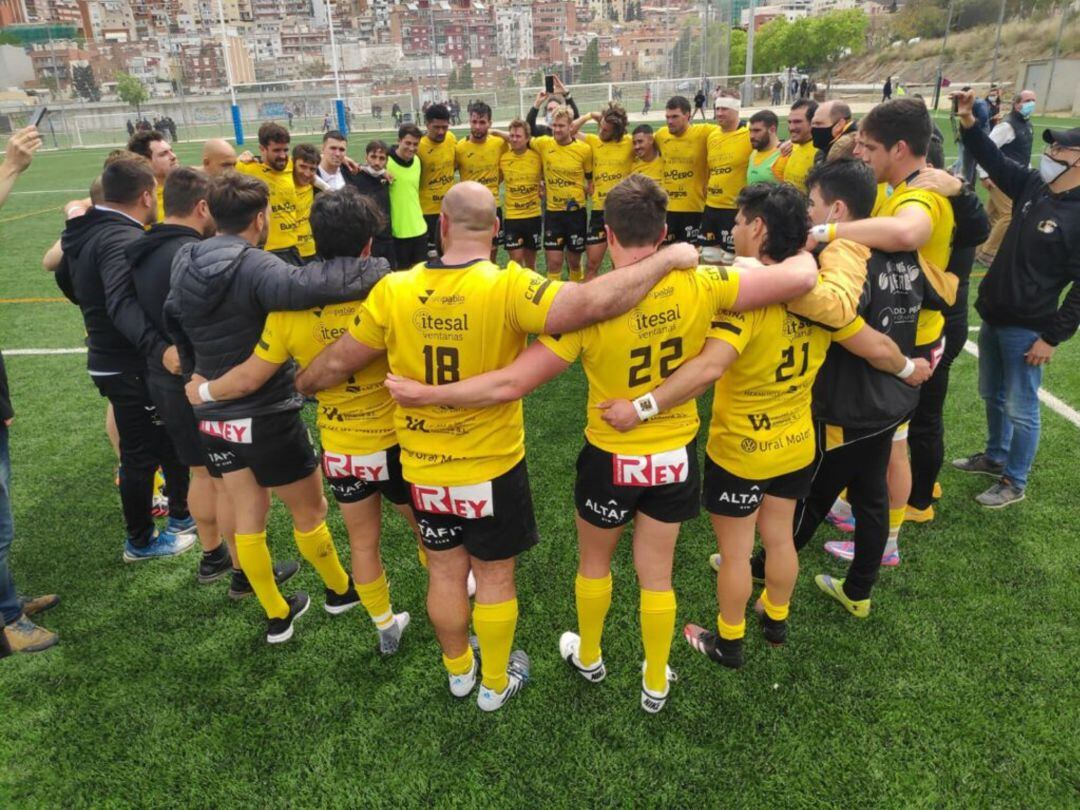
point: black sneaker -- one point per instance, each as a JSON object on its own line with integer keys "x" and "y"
{"x": 775, "y": 631}
{"x": 214, "y": 565}
{"x": 338, "y": 603}
{"x": 281, "y": 630}
{"x": 722, "y": 651}
{"x": 241, "y": 588}
{"x": 979, "y": 463}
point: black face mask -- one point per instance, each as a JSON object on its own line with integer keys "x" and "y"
{"x": 821, "y": 136}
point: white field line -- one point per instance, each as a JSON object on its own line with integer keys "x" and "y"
{"x": 40, "y": 352}
{"x": 1045, "y": 397}
{"x": 53, "y": 191}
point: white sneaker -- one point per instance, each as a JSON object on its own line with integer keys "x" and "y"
{"x": 517, "y": 671}
{"x": 569, "y": 644}
{"x": 653, "y": 702}
{"x": 470, "y": 584}
{"x": 390, "y": 638}
{"x": 462, "y": 685}
{"x": 714, "y": 562}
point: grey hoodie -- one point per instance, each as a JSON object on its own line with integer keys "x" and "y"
{"x": 220, "y": 294}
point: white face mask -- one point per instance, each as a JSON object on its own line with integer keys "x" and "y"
{"x": 1050, "y": 169}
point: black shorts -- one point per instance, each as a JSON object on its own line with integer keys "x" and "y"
{"x": 565, "y": 230}
{"x": 410, "y": 252}
{"x": 683, "y": 226}
{"x": 596, "y": 234}
{"x": 290, "y": 255}
{"x": 610, "y": 489}
{"x": 498, "y": 238}
{"x": 383, "y": 248}
{"x": 506, "y": 525}
{"x": 523, "y": 234}
{"x": 275, "y": 447}
{"x": 356, "y": 478}
{"x": 931, "y": 352}
{"x": 432, "y": 221}
{"x": 729, "y": 495}
{"x": 175, "y": 412}
{"x": 716, "y": 228}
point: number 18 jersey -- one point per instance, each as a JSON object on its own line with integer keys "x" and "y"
{"x": 629, "y": 355}
{"x": 441, "y": 324}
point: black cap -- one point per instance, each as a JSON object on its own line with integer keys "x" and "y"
{"x": 1063, "y": 137}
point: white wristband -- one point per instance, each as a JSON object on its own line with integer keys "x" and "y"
{"x": 646, "y": 407}
{"x": 907, "y": 370}
{"x": 204, "y": 392}
{"x": 824, "y": 233}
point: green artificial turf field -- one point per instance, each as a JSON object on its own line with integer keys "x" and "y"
{"x": 960, "y": 689}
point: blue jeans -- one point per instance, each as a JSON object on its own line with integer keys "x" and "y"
{"x": 10, "y": 605}
{"x": 1010, "y": 389}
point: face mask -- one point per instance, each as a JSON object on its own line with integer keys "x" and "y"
{"x": 1027, "y": 108}
{"x": 821, "y": 136}
{"x": 1050, "y": 169}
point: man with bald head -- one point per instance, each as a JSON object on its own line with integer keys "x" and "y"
{"x": 833, "y": 131}
{"x": 218, "y": 156}
{"x": 442, "y": 321}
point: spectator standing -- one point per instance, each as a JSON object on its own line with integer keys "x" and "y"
{"x": 886, "y": 91}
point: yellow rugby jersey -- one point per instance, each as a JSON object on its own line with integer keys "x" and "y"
{"x": 443, "y": 324}
{"x": 653, "y": 169}
{"x": 629, "y": 355}
{"x": 521, "y": 175}
{"x": 355, "y": 417}
{"x": 611, "y": 163}
{"x": 282, "y": 202}
{"x": 160, "y": 202}
{"x": 437, "y": 162}
{"x": 935, "y": 254}
{"x": 686, "y": 166}
{"x": 761, "y": 422}
{"x": 799, "y": 164}
{"x": 728, "y": 156}
{"x": 565, "y": 168}
{"x": 305, "y": 242}
{"x": 480, "y": 162}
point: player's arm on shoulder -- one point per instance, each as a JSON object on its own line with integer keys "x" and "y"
{"x": 334, "y": 364}
{"x": 236, "y": 383}
{"x": 881, "y": 351}
{"x": 760, "y": 286}
{"x": 532, "y": 368}
{"x": 578, "y": 305}
{"x": 834, "y": 299}
{"x": 690, "y": 380}
{"x": 908, "y": 229}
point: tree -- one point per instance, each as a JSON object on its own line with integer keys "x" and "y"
{"x": 85, "y": 85}
{"x": 591, "y": 71}
{"x": 452, "y": 81}
{"x": 465, "y": 79}
{"x": 314, "y": 70}
{"x": 537, "y": 78}
{"x": 9, "y": 38}
{"x": 131, "y": 91}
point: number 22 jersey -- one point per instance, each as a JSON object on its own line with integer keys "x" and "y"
{"x": 629, "y": 355}
{"x": 443, "y": 323}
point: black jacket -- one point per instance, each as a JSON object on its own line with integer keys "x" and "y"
{"x": 220, "y": 294}
{"x": 96, "y": 275}
{"x": 6, "y": 409}
{"x": 151, "y": 259}
{"x": 1040, "y": 254}
{"x": 536, "y": 129}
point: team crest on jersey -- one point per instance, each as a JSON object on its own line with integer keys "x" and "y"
{"x": 427, "y": 294}
{"x": 1047, "y": 226}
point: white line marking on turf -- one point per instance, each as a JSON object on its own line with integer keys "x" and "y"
{"x": 53, "y": 191}
{"x": 1045, "y": 397}
{"x": 40, "y": 352}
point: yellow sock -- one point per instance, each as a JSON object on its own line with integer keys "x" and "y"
{"x": 577, "y": 274}
{"x": 460, "y": 665}
{"x": 896, "y": 520}
{"x": 421, "y": 554}
{"x": 317, "y": 546}
{"x": 495, "y": 625}
{"x": 376, "y": 598}
{"x": 555, "y": 276}
{"x": 255, "y": 562}
{"x": 775, "y": 612}
{"x": 730, "y": 632}
{"x": 593, "y": 597}
{"x": 657, "y": 628}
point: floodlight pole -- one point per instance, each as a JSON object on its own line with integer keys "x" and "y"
{"x": 997, "y": 42}
{"x": 238, "y": 125}
{"x": 339, "y": 102}
{"x": 1053, "y": 60}
{"x": 941, "y": 58}
{"x": 748, "y": 83}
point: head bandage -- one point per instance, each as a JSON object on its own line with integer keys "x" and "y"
{"x": 728, "y": 102}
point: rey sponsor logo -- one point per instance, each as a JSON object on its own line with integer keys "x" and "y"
{"x": 471, "y": 501}
{"x": 370, "y": 467}
{"x": 237, "y": 431}
{"x": 657, "y": 469}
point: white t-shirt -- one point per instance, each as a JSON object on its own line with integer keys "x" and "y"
{"x": 335, "y": 181}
